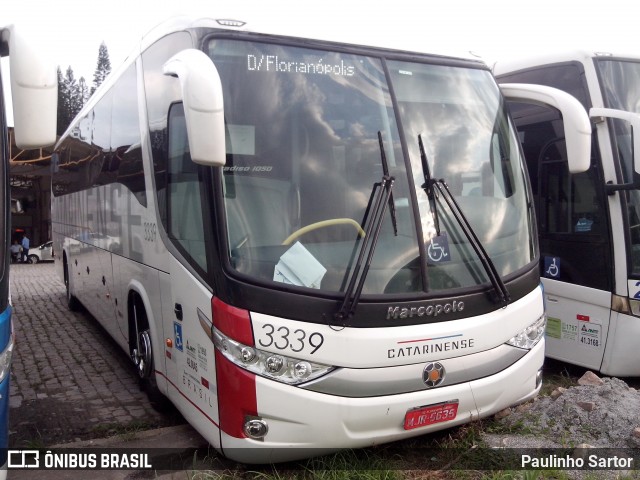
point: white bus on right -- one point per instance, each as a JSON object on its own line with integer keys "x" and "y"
{"x": 588, "y": 222}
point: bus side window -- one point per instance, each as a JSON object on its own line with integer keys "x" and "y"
{"x": 569, "y": 202}
{"x": 183, "y": 191}
{"x": 160, "y": 91}
{"x": 126, "y": 154}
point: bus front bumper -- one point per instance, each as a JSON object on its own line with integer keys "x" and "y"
{"x": 303, "y": 424}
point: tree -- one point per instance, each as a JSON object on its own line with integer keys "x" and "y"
{"x": 83, "y": 90}
{"x": 73, "y": 94}
{"x": 103, "y": 67}
{"x": 63, "y": 120}
{"x": 70, "y": 98}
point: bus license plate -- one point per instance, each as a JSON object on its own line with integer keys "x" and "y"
{"x": 430, "y": 414}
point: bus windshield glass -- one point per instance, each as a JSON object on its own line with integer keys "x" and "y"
{"x": 470, "y": 144}
{"x": 306, "y": 133}
{"x": 620, "y": 82}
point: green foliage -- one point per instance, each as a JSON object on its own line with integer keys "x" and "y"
{"x": 103, "y": 67}
{"x": 73, "y": 94}
{"x": 70, "y": 99}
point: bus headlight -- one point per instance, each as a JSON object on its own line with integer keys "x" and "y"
{"x": 275, "y": 366}
{"x": 531, "y": 335}
{"x": 5, "y": 360}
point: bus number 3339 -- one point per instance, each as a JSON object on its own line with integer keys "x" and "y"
{"x": 283, "y": 338}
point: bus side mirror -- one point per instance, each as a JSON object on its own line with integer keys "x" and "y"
{"x": 34, "y": 91}
{"x": 203, "y": 105}
{"x": 600, "y": 114}
{"x": 577, "y": 126}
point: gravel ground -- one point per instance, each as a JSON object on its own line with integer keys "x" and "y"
{"x": 602, "y": 413}
{"x": 599, "y": 416}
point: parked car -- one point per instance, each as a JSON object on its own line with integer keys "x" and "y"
{"x": 43, "y": 253}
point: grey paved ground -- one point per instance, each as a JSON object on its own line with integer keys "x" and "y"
{"x": 69, "y": 380}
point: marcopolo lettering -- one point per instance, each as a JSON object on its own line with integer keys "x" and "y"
{"x": 424, "y": 310}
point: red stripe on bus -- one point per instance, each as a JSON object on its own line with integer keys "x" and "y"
{"x": 237, "y": 396}
{"x": 232, "y": 321}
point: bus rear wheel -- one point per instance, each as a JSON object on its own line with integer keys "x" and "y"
{"x": 72, "y": 301}
{"x": 141, "y": 349}
{"x": 143, "y": 356}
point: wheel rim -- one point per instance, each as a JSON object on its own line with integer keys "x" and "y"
{"x": 144, "y": 356}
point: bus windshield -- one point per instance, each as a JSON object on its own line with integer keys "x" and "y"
{"x": 304, "y": 158}
{"x": 620, "y": 82}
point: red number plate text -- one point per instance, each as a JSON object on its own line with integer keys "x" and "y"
{"x": 430, "y": 414}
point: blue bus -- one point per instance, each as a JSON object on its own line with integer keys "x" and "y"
{"x": 34, "y": 97}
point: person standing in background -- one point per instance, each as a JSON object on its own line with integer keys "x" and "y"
{"x": 25, "y": 247}
{"x": 16, "y": 252}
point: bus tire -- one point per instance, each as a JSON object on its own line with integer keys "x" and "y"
{"x": 142, "y": 354}
{"x": 72, "y": 301}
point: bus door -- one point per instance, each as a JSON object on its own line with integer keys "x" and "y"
{"x": 191, "y": 368}
{"x": 575, "y": 258}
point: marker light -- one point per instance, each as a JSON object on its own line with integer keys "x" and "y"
{"x": 231, "y": 23}
{"x": 531, "y": 335}
{"x": 289, "y": 370}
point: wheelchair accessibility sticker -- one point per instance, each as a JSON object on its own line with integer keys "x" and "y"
{"x": 551, "y": 267}
{"x": 438, "y": 250}
{"x": 177, "y": 331}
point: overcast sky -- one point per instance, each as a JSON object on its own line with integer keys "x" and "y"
{"x": 71, "y": 30}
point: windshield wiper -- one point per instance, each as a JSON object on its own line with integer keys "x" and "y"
{"x": 430, "y": 187}
{"x": 385, "y": 173}
{"x": 381, "y": 197}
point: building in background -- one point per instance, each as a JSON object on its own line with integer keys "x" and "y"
{"x": 30, "y": 178}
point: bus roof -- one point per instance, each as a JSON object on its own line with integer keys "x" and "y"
{"x": 308, "y": 29}
{"x": 304, "y": 30}
{"x": 582, "y": 56}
